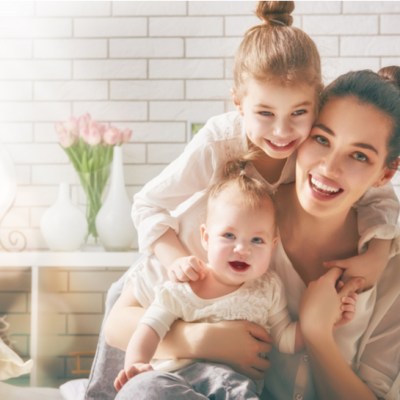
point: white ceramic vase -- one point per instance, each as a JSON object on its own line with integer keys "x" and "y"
{"x": 63, "y": 225}
{"x": 113, "y": 222}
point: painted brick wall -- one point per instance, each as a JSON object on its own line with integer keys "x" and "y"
{"x": 155, "y": 67}
{"x": 152, "y": 66}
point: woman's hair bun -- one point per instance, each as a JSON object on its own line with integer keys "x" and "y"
{"x": 275, "y": 12}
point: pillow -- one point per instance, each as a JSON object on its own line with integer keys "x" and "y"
{"x": 74, "y": 390}
{"x": 11, "y": 365}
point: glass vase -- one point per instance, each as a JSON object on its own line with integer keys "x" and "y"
{"x": 93, "y": 184}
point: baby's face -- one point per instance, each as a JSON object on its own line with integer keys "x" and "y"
{"x": 239, "y": 239}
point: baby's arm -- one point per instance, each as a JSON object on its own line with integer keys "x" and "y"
{"x": 210, "y": 341}
{"x": 141, "y": 348}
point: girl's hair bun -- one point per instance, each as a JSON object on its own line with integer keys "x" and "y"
{"x": 275, "y": 12}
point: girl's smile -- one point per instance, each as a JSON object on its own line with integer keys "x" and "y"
{"x": 277, "y": 117}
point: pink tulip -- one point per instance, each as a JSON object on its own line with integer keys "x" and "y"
{"x": 93, "y": 133}
{"x": 67, "y": 132}
{"x": 112, "y": 136}
{"x": 126, "y": 135}
{"x": 84, "y": 123}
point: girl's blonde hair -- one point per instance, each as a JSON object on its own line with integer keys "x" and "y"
{"x": 274, "y": 50}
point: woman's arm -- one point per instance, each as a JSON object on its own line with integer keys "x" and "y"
{"x": 320, "y": 309}
{"x": 236, "y": 343}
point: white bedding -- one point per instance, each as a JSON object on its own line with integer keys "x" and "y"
{"x": 11, "y": 392}
{"x": 71, "y": 390}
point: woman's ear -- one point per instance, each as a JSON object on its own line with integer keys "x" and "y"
{"x": 388, "y": 173}
{"x": 204, "y": 236}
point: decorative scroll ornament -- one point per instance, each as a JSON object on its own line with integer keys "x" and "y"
{"x": 15, "y": 240}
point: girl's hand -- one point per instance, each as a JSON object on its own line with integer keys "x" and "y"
{"x": 186, "y": 269}
{"x": 321, "y": 305}
{"x": 369, "y": 265}
{"x": 241, "y": 344}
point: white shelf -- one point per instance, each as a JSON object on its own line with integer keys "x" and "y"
{"x": 41, "y": 303}
{"x": 94, "y": 258}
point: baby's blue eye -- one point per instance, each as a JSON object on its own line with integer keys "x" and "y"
{"x": 266, "y": 113}
{"x": 228, "y": 235}
{"x": 299, "y": 112}
{"x": 257, "y": 240}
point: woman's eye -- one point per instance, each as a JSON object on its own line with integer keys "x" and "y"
{"x": 228, "y": 235}
{"x": 321, "y": 140}
{"x": 360, "y": 157}
{"x": 257, "y": 240}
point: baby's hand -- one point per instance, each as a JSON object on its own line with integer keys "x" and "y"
{"x": 348, "y": 307}
{"x": 185, "y": 269}
{"x": 124, "y": 375}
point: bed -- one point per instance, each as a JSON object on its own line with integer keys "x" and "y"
{"x": 12, "y": 366}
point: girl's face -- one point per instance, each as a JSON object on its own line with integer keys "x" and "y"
{"x": 343, "y": 157}
{"x": 239, "y": 240}
{"x": 277, "y": 118}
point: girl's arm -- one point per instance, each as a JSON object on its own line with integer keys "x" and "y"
{"x": 210, "y": 341}
{"x": 378, "y": 213}
{"x": 369, "y": 265}
{"x": 319, "y": 310}
{"x": 154, "y": 206}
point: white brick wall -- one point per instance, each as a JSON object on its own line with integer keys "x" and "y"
{"x": 152, "y": 66}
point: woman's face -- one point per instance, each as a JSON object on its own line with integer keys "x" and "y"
{"x": 277, "y": 118}
{"x": 343, "y": 157}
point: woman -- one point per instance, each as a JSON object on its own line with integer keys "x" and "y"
{"x": 353, "y": 146}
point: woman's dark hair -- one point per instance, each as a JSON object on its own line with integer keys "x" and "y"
{"x": 370, "y": 88}
{"x": 391, "y": 74}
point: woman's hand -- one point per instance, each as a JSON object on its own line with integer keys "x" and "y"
{"x": 321, "y": 307}
{"x": 241, "y": 344}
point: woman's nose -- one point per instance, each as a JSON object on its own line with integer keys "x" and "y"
{"x": 331, "y": 164}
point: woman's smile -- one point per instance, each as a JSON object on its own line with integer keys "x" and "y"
{"x": 324, "y": 188}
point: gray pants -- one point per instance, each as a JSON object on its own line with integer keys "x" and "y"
{"x": 197, "y": 381}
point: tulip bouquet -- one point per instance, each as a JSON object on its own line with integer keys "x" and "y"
{"x": 89, "y": 146}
